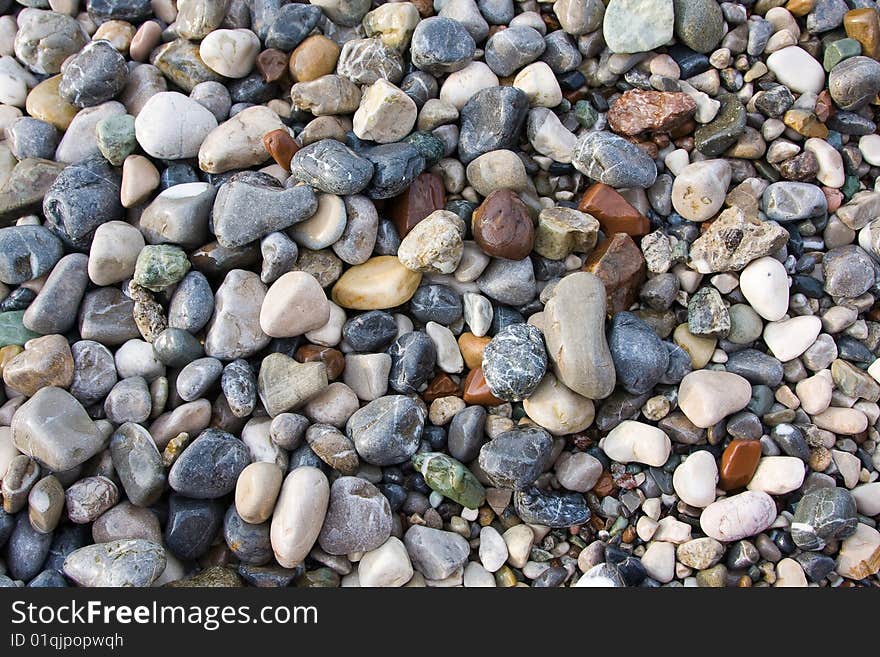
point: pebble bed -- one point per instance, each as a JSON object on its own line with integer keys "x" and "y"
{"x": 474, "y": 293}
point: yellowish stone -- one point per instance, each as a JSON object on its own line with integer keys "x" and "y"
{"x": 699, "y": 348}
{"x": 44, "y": 103}
{"x": 379, "y": 283}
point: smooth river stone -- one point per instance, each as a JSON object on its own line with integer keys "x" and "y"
{"x": 238, "y": 143}
{"x": 637, "y": 442}
{"x": 707, "y": 396}
{"x": 739, "y": 516}
{"x": 299, "y": 515}
{"x": 789, "y": 338}
{"x": 764, "y": 284}
{"x": 234, "y": 330}
{"x": 694, "y": 480}
{"x": 54, "y": 428}
{"x": 574, "y": 330}
{"x": 381, "y": 282}
{"x": 778, "y": 475}
{"x": 131, "y": 562}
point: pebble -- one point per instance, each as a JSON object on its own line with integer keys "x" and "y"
{"x": 130, "y": 562}
{"x": 198, "y": 476}
{"x": 358, "y": 518}
{"x": 575, "y": 336}
{"x": 706, "y": 396}
{"x": 787, "y": 339}
{"x": 612, "y": 160}
{"x": 388, "y": 565}
{"x": 387, "y": 430}
{"x": 435, "y": 553}
{"x": 739, "y": 516}
{"x": 299, "y": 515}
{"x": 699, "y": 190}
{"x": 637, "y": 442}
{"x": 764, "y": 283}
{"x": 823, "y": 515}
{"x": 514, "y": 362}
{"x": 632, "y": 26}
{"x": 639, "y": 356}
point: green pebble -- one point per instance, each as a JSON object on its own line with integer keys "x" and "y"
{"x": 12, "y": 330}
{"x": 450, "y": 478}
{"x": 839, "y": 50}
{"x": 116, "y": 139}
{"x": 585, "y": 114}
{"x": 160, "y": 265}
{"x": 428, "y": 146}
{"x": 850, "y": 187}
{"x": 321, "y": 578}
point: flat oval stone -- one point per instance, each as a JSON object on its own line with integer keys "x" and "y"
{"x": 413, "y": 357}
{"x": 130, "y": 562}
{"x": 574, "y": 328}
{"x": 210, "y": 466}
{"x": 552, "y": 509}
{"x": 299, "y": 515}
{"x": 739, "y": 516}
{"x": 379, "y": 283}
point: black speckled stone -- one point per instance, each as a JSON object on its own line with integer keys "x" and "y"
{"x": 515, "y": 459}
{"x": 239, "y": 385}
{"x": 191, "y": 525}
{"x": 413, "y": 356}
{"x": 210, "y": 466}
{"x": 331, "y": 167}
{"x": 436, "y": 303}
{"x": 387, "y": 431}
{"x": 823, "y": 515}
{"x": 94, "y": 75}
{"x": 552, "y": 509}
{"x": 370, "y": 332}
{"x": 441, "y": 45}
{"x": 514, "y": 362}
{"x": 121, "y": 10}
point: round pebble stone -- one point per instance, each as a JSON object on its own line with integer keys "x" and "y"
{"x": 441, "y": 45}
{"x": 738, "y": 516}
{"x": 257, "y": 490}
{"x": 413, "y": 356}
{"x": 515, "y": 459}
{"x": 231, "y": 53}
{"x": 370, "y": 331}
{"x": 436, "y": 303}
{"x": 299, "y": 515}
{"x": 191, "y": 525}
{"x": 514, "y": 362}
{"x": 821, "y": 516}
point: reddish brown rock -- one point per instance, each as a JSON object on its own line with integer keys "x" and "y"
{"x": 476, "y": 390}
{"x": 332, "y": 358}
{"x": 424, "y": 196}
{"x": 620, "y": 266}
{"x": 738, "y": 463}
{"x": 615, "y": 214}
{"x": 272, "y": 64}
{"x": 637, "y": 111}
{"x": 281, "y": 146}
{"x": 441, "y": 386}
{"x": 502, "y": 227}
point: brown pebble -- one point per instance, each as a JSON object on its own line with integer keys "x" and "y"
{"x": 614, "y": 212}
{"x": 281, "y": 146}
{"x": 605, "y": 486}
{"x": 476, "y": 390}
{"x": 619, "y": 264}
{"x": 424, "y": 196}
{"x": 145, "y": 39}
{"x": 472, "y": 348}
{"x": 738, "y": 463}
{"x": 863, "y": 25}
{"x": 314, "y": 57}
{"x": 441, "y": 386}
{"x": 502, "y": 226}
{"x": 332, "y": 358}
{"x": 272, "y": 64}
{"x": 637, "y": 111}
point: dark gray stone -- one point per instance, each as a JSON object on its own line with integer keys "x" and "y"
{"x": 755, "y": 366}
{"x": 849, "y": 271}
{"x": 436, "y": 303}
{"x": 191, "y": 526}
{"x": 854, "y": 82}
{"x": 94, "y": 75}
{"x": 138, "y": 464}
{"x": 29, "y": 137}
{"x": 192, "y": 303}
{"x": 370, "y": 331}
{"x": 247, "y": 541}
{"x": 552, "y": 508}
{"x": 823, "y": 515}
{"x": 27, "y": 252}
{"x": 26, "y": 550}
{"x": 210, "y": 466}
{"x": 441, "y": 45}
{"x": 509, "y": 50}
{"x": 492, "y": 119}
{"x": 239, "y": 385}
{"x": 83, "y": 196}
{"x": 413, "y": 356}
{"x": 395, "y": 166}
{"x": 612, "y": 160}
{"x": 466, "y": 433}
{"x": 54, "y": 310}
{"x": 794, "y": 201}
{"x": 515, "y": 459}
{"x": 640, "y": 357}
{"x": 292, "y": 24}
{"x": 331, "y": 167}
{"x": 177, "y": 348}
{"x": 387, "y": 430}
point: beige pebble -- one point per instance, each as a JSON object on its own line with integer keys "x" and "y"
{"x": 256, "y": 490}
